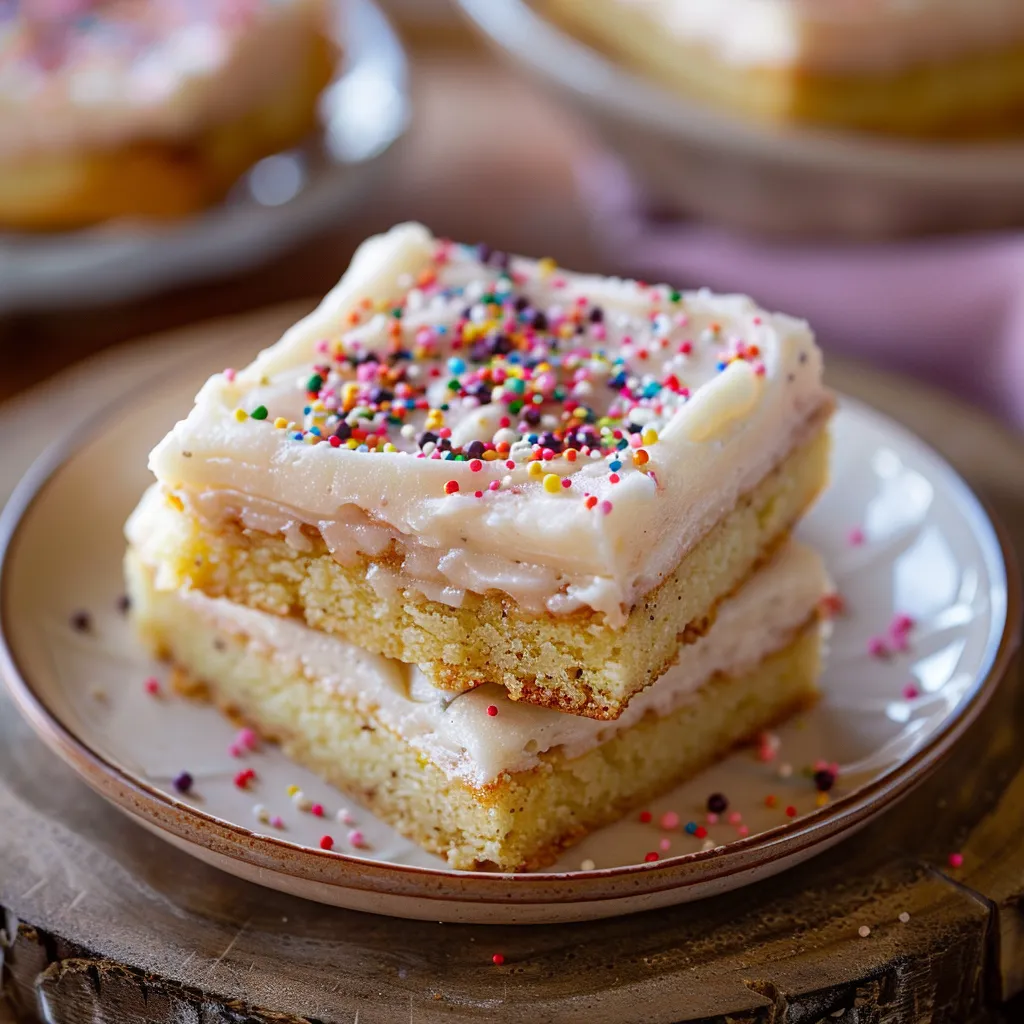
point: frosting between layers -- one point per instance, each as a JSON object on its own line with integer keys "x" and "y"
{"x": 839, "y": 36}
{"x": 720, "y": 425}
{"x": 121, "y": 70}
{"x": 463, "y": 740}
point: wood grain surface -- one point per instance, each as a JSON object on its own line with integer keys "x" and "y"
{"x": 105, "y": 922}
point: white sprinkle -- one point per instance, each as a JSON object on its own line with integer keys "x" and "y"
{"x": 904, "y": 917}
{"x": 863, "y": 931}
{"x": 785, "y": 771}
{"x": 344, "y": 815}
{"x": 708, "y": 844}
{"x": 261, "y": 813}
{"x": 587, "y": 865}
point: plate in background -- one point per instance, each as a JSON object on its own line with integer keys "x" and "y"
{"x": 696, "y": 158}
{"x": 929, "y": 551}
{"x": 282, "y": 200}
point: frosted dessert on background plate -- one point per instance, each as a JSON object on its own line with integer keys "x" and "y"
{"x": 474, "y": 777}
{"x": 149, "y": 108}
{"x": 916, "y": 67}
{"x": 498, "y": 471}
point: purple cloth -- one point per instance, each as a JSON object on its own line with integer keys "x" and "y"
{"x": 949, "y": 310}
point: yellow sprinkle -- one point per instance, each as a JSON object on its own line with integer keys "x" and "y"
{"x": 490, "y": 455}
{"x": 552, "y": 483}
{"x": 280, "y": 423}
{"x": 241, "y": 415}
{"x": 292, "y": 790}
{"x": 174, "y": 500}
{"x": 821, "y": 799}
{"x": 649, "y": 436}
{"x": 536, "y": 469}
{"x": 546, "y": 266}
{"x": 389, "y": 447}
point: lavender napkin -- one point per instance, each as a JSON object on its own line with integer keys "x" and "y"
{"x": 949, "y": 310}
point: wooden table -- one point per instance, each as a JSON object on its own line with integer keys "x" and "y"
{"x": 105, "y": 922}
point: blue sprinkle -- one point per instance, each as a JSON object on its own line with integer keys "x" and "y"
{"x": 622, "y": 444}
{"x": 456, "y": 365}
{"x": 315, "y": 430}
{"x": 441, "y": 329}
{"x": 651, "y": 390}
{"x": 306, "y": 410}
{"x": 615, "y": 466}
{"x": 362, "y": 448}
{"x": 533, "y": 438}
{"x": 690, "y": 828}
{"x": 720, "y": 366}
{"x": 297, "y": 436}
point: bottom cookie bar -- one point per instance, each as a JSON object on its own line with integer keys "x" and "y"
{"x": 476, "y": 778}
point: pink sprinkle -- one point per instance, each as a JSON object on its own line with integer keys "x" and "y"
{"x": 665, "y": 845}
{"x": 356, "y": 838}
{"x": 901, "y": 623}
{"x": 669, "y": 821}
{"x": 493, "y": 485}
{"x": 735, "y": 817}
{"x": 711, "y": 818}
{"x": 855, "y": 537}
{"x": 235, "y": 750}
{"x": 152, "y": 686}
{"x": 317, "y": 810}
{"x": 956, "y": 860}
{"x": 911, "y": 692}
{"x": 277, "y": 821}
{"x": 743, "y": 830}
{"x": 229, "y": 375}
{"x": 247, "y": 738}
{"x": 877, "y": 647}
{"x": 606, "y": 507}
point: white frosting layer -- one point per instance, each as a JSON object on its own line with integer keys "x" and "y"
{"x": 119, "y": 70}
{"x": 839, "y": 36}
{"x": 504, "y": 530}
{"x": 460, "y": 737}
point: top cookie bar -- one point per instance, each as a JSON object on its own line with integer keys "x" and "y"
{"x": 498, "y": 470}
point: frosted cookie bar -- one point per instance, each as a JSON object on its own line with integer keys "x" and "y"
{"x": 474, "y": 777}
{"x": 497, "y": 470}
{"x": 915, "y": 67}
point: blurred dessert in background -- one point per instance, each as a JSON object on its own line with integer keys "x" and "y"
{"x": 149, "y": 108}
{"x": 941, "y": 68}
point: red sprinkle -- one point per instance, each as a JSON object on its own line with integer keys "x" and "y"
{"x": 476, "y": 465}
{"x": 452, "y": 487}
{"x": 910, "y": 692}
{"x": 317, "y": 810}
{"x": 497, "y": 959}
{"x": 650, "y": 857}
{"x": 326, "y": 843}
{"x": 492, "y": 710}
{"x": 645, "y": 816}
{"x": 152, "y": 685}
{"x": 701, "y": 832}
{"x": 956, "y": 860}
{"x": 244, "y": 777}
{"x": 790, "y": 811}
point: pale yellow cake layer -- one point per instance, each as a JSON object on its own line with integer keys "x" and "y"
{"x": 521, "y": 821}
{"x": 976, "y": 95}
{"x": 158, "y": 180}
{"x": 574, "y": 662}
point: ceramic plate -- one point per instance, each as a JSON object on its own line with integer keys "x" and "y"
{"x": 782, "y": 180}
{"x": 900, "y": 531}
{"x": 282, "y": 200}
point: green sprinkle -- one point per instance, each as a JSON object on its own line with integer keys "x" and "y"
{"x": 259, "y": 413}
{"x": 676, "y": 296}
{"x": 315, "y": 383}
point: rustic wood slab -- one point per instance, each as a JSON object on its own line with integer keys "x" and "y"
{"x": 104, "y": 922}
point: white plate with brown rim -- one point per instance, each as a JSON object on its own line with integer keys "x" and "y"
{"x": 900, "y": 531}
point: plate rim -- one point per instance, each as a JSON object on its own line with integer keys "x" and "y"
{"x": 528, "y": 35}
{"x": 340, "y": 870}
